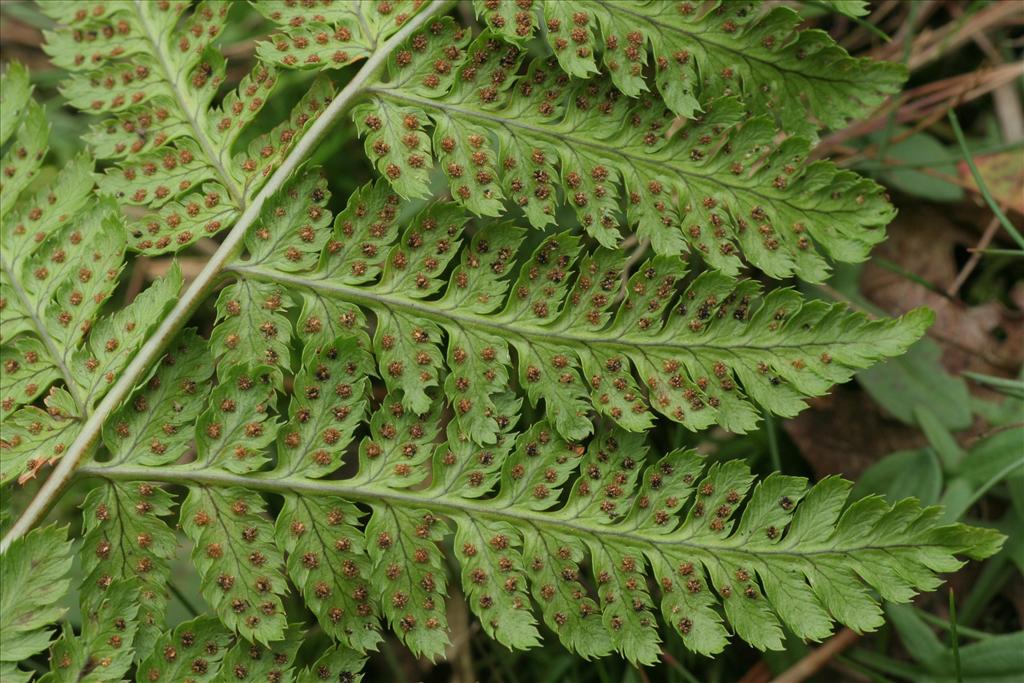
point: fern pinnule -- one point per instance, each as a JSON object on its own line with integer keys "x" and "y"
{"x": 198, "y": 646}
{"x": 132, "y": 547}
{"x": 203, "y": 650}
{"x": 238, "y": 561}
{"x": 35, "y": 570}
{"x": 102, "y": 647}
{"x": 329, "y": 34}
{"x": 153, "y": 428}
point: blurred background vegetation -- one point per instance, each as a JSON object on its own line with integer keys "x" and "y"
{"x": 945, "y": 423}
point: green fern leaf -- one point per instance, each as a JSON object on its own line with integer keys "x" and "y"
{"x": 315, "y": 439}
{"x": 23, "y": 118}
{"x": 62, "y": 256}
{"x": 327, "y": 560}
{"x": 17, "y": 95}
{"x": 234, "y": 430}
{"x": 620, "y": 521}
{"x": 253, "y": 326}
{"x": 697, "y": 357}
{"x": 193, "y": 650}
{"x": 131, "y": 546}
{"x": 409, "y": 575}
{"x": 783, "y": 554}
{"x": 154, "y": 84}
{"x": 153, "y": 428}
{"x": 349, "y": 444}
{"x": 237, "y": 559}
{"x": 34, "y": 572}
{"x": 36, "y": 437}
{"x": 802, "y": 76}
{"x": 247, "y": 662}
{"x": 720, "y": 185}
{"x": 338, "y": 664}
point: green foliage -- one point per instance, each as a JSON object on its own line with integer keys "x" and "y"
{"x": 585, "y": 332}
{"x": 153, "y": 76}
{"x": 63, "y": 251}
{"x": 784, "y": 553}
{"x": 996, "y": 658}
{"x": 918, "y": 379}
{"x": 414, "y": 387}
{"x": 851, "y": 8}
{"x": 330, "y": 34}
{"x": 102, "y": 650}
{"x": 802, "y": 77}
{"x": 720, "y": 185}
{"x": 34, "y": 571}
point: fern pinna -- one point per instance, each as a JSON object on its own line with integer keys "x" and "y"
{"x": 438, "y": 379}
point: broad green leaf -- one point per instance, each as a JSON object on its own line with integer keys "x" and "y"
{"x": 918, "y": 379}
{"x": 889, "y": 477}
{"x": 917, "y": 637}
{"x": 993, "y": 660}
{"x": 941, "y": 440}
{"x": 995, "y": 454}
{"x": 920, "y": 150}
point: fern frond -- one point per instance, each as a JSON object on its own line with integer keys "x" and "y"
{"x": 802, "y": 76}
{"x": 584, "y": 330}
{"x": 62, "y": 256}
{"x": 721, "y": 185}
{"x": 132, "y": 546}
{"x": 724, "y": 555}
{"x": 276, "y": 167}
{"x": 690, "y": 53}
{"x": 236, "y": 443}
{"x": 34, "y": 572}
{"x": 152, "y": 69}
